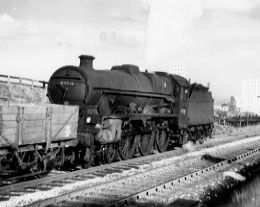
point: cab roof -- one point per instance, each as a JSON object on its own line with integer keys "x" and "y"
{"x": 181, "y": 81}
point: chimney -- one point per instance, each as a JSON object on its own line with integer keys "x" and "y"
{"x": 86, "y": 62}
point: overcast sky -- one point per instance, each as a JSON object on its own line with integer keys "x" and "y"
{"x": 217, "y": 40}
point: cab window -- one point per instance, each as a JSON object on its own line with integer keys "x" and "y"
{"x": 176, "y": 90}
{"x": 183, "y": 94}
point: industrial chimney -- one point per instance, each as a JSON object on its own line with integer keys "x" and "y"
{"x": 86, "y": 62}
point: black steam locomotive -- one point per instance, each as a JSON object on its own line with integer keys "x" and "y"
{"x": 123, "y": 110}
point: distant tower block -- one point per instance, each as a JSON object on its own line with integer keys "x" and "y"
{"x": 178, "y": 69}
{"x": 250, "y": 95}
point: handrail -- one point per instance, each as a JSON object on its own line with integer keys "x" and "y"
{"x": 23, "y": 81}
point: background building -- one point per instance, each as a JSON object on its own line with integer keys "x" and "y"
{"x": 178, "y": 69}
{"x": 238, "y": 102}
{"x": 232, "y": 106}
{"x": 250, "y": 100}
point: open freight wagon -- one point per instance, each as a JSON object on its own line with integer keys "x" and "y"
{"x": 33, "y": 136}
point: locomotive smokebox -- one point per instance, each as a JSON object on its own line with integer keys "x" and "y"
{"x": 86, "y": 62}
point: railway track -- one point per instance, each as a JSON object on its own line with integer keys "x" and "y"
{"x": 119, "y": 182}
{"x": 178, "y": 151}
{"x": 60, "y": 178}
{"x": 128, "y": 164}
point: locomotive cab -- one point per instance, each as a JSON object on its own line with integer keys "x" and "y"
{"x": 181, "y": 92}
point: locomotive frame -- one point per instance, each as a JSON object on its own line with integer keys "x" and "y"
{"x": 115, "y": 120}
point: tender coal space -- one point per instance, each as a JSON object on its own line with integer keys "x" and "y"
{"x": 233, "y": 193}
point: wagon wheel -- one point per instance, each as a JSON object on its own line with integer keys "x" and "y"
{"x": 205, "y": 134}
{"x": 199, "y": 136}
{"x": 39, "y": 166}
{"x": 109, "y": 153}
{"x": 30, "y": 163}
{"x": 162, "y": 140}
{"x": 146, "y": 143}
{"x": 184, "y": 138}
{"x": 86, "y": 157}
{"x": 127, "y": 147}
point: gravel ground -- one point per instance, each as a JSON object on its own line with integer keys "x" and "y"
{"x": 232, "y": 133}
{"x": 178, "y": 160}
{"x": 202, "y": 187}
{"x": 198, "y": 190}
{"x": 182, "y": 165}
{"x": 28, "y": 198}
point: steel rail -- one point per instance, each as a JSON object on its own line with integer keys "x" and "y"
{"x": 103, "y": 169}
{"x": 151, "y": 192}
{"x": 124, "y": 189}
{"x": 131, "y": 163}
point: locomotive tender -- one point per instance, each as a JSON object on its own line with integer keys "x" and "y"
{"x": 123, "y": 110}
